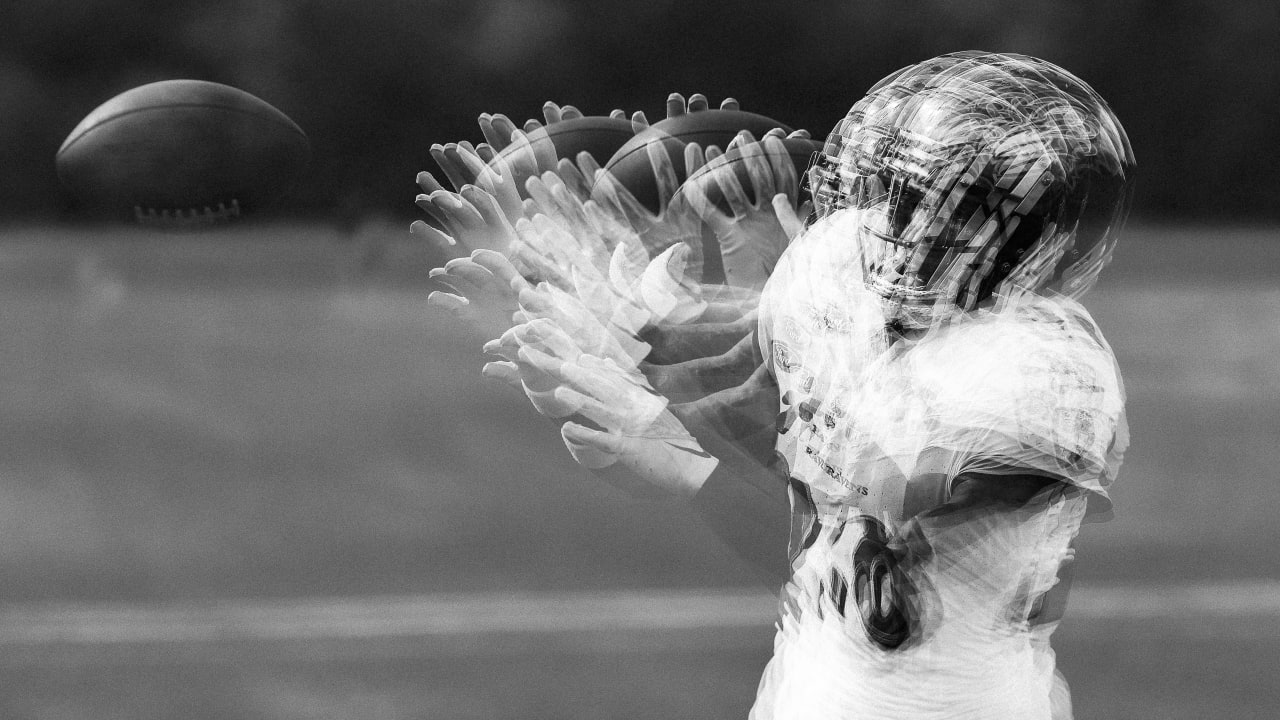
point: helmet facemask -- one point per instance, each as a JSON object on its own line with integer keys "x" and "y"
{"x": 969, "y": 184}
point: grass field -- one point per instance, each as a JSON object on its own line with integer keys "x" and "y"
{"x": 273, "y": 415}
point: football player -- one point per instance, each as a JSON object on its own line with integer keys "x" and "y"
{"x": 949, "y": 413}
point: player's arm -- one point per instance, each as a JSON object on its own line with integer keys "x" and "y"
{"x": 698, "y": 377}
{"x": 679, "y": 343}
{"x": 745, "y": 504}
{"x": 976, "y": 494}
{"x": 744, "y": 500}
{"x": 975, "y": 491}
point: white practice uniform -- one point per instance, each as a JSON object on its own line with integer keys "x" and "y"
{"x": 874, "y": 432}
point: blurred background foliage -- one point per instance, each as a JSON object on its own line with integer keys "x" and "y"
{"x": 375, "y": 82}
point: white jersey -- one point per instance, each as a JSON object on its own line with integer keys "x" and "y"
{"x": 875, "y": 432}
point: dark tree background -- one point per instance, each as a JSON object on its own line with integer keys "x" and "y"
{"x": 375, "y": 82}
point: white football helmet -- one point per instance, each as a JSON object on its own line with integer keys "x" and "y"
{"x": 977, "y": 175}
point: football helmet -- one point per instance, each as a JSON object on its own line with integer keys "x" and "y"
{"x": 976, "y": 175}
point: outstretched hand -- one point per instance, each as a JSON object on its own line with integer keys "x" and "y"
{"x": 464, "y": 164}
{"x": 627, "y": 220}
{"x": 481, "y": 291}
{"x": 636, "y": 440}
{"x": 752, "y": 231}
{"x": 472, "y": 220}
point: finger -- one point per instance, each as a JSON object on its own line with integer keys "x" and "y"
{"x": 447, "y": 165}
{"x": 675, "y": 105}
{"x": 496, "y": 178}
{"x": 427, "y": 205}
{"x": 428, "y": 183}
{"x": 540, "y": 194}
{"x": 588, "y": 166}
{"x": 455, "y": 167}
{"x": 547, "y": 248}
{"x": 698, "y": 102}
{"x": 572, "y": 177}
{"x": 534, "y": 301}
{"x": 456, "y": 284}
{"x": 485, "y": 121}
{"x": 550, "y": 367}
{"x": 639, "y": 123}
{"x": 712, "y": 152}
{"x": 447, "y": 301}
{"x": 743, "y": 137}
{"x": 615, "y": 201}
{"x": 486, "y": 152}
{"x": 664, "y": 171}
{"x": 434, "y": 237}
{"x": 466, "y": 160}
{"x": 471, "y": 271}
{"x": 591, "y": 449}
{"x": 506, "y": 347}
{"x": 618, "y": 114}
{"x": 695, "y": 195}
{"x": 544, "y": 334}
{"x": 544, "y": 153}
{"x": 694, "y": 158}
{"x": 760, "y": 170}
{"x": 801, "y": 134}
{"x": 781, "y": 170}
{"x": 457, "y": 211}
{"x": 569, "y": 112}
{"x": 568, "y": 201}
{"x": 501, "y": 268}
{"x": 729, "y": 104}
{"x": 499, "y": 133}
{"x": 486, "y": 206}
{"x": 520, "y": 156}
{"x": 731, "y": 187}
{"x": 505, "y": 371}
{"x": 551, "y": 112}
{"x": 792, "y": 223}
{"x": 540, "y": 266}
{"x": 530, "y": 125}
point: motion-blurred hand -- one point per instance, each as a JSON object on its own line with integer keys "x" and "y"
{"x": 482, "y": 292}
{"x": 752, "y": 233}
{"x": 464, "y": 164}
{"x": 636, "y": 441}
{"x": 472, "y": 220}
{"x": 627, "y": 220}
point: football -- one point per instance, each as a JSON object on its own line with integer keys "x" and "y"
{"x": 182, "y": 152}
{"x": 630, "y": 165}
{"x": 601, "y": 136}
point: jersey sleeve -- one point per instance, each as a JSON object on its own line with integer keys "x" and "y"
{"x": 1039, "y": 393}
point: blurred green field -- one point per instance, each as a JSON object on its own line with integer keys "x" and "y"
{"x": 273, "y": 412}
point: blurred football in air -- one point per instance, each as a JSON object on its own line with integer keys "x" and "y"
{"x": 182, "y": 152}
{"x": 632, "y": 168}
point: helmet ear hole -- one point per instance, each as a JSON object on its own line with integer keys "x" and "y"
{"x": 1024, "y": 238}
